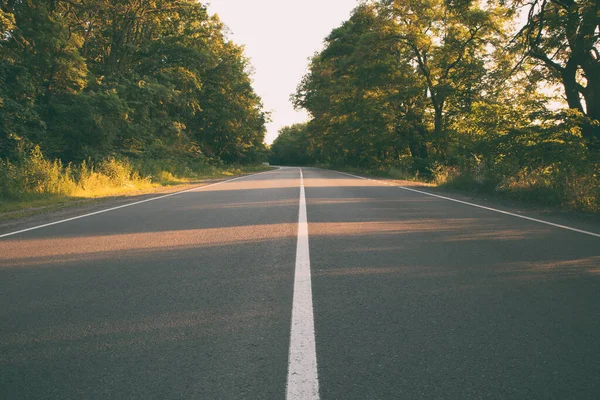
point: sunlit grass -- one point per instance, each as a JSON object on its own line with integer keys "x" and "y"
{"x": 40, "y": 183}
{"x": 544, "y": 186}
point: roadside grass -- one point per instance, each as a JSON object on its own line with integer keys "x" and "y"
{"x": 37, "y": 183}
{"x": 538, "y": 188}
{"x": 389, "y": 173}
{"x": 542, "y": 187}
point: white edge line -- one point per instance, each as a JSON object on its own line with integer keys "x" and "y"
{"x": 126, "y": 205}
{"x": 476, "y": 205}
{"x": 302, "y": 379}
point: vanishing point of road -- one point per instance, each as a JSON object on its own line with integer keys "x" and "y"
{"x": 301, "y": 284}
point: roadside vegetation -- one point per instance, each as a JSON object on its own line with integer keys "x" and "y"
{"x": 499, "y": 97}
{"x": 103, "y": 97}
{"x": 35, "y": 181}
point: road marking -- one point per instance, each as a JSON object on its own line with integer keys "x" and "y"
{"x": 477, "y": 205}
{"x": 125, "y": 205}
{"x": 302, "y": 380}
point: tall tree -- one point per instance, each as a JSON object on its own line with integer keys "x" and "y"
{"x": 291, "y": 147}
{"x": 564, "y": 35}
{"x": 142, "y": 78}
{"x": 448, "y": 42}
{"x": 367, "y": 106}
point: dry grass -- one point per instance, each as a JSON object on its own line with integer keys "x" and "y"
{"x": 38, "y": 182}
{"x": 578, "y": 191}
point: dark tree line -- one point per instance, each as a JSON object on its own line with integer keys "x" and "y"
{"x": 89, "y": 79}
{"x": 457, "y": 92}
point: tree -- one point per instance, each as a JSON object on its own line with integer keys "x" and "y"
{"x": 447, "y": 42}
{"x": 563, "y": 36}
{"x": 291, "y": 147}
{"x": 142, "y": 78}
{"x": 367, "y": 106}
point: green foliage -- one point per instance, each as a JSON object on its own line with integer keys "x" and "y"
{"x": 34, "y": 179}
{"x": 33, "y": 175}
{"x": 97, "y": 80}
{"x": 365, "y": 99}
{"x": 562, "y": 38}
{"x": 291, "y": 146}
{"x": 548, "y": 162}
{"x": 437, "y": 90}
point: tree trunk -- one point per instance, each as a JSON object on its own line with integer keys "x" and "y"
{"x": 591, "y": 131}
{"x": 417, "y": 149}
{"x": 573, "y": 92}
{"x": 569, "y": 81}
{"x": 438, "y": 132}
{"x": 438, "y": 127}
{"x": 416, "y": 142}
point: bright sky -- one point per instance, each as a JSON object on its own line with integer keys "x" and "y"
{"x": 280, "y": 36}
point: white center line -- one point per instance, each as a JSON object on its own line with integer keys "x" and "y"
{"x": 302, "y": 380}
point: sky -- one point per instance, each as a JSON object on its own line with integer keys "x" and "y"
{"x": 280, "y": 36}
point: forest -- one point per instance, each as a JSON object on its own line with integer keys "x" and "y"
{"x": 500, "y": 97}
{"x": 95, "y": 92}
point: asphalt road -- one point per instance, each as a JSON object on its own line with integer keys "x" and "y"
{"x": 191, "y": 296}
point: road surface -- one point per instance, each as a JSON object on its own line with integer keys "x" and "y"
{"x": 391, "y": 293}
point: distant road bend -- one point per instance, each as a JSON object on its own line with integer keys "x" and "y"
{"x": 300, "y": 284}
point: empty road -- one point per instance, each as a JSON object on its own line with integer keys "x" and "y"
{"x": 300, "y": 283}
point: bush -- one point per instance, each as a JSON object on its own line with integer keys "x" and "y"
{"x": 35, "y": 176}
{"x": 9, "y": 188}
{"x": 120, "y": 173}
